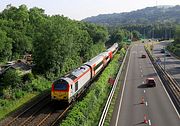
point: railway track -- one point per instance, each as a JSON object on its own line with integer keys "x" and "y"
{"x": 41, "y": 113}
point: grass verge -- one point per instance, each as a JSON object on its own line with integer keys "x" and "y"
{"x": 88, "y": 111}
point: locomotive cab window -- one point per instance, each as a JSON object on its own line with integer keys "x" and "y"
{"x": 60, "y": 85}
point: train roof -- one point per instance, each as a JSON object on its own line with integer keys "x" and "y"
{"x": 104, "y": 54}
{"x": 95, "y": 60}
{"x": 80, "y": 70}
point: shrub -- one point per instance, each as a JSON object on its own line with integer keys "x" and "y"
{"x": 19, "y": 94}
{"x": 28, "y": 77}
{"x": 40, "y": 84}
{"x": 12, "y": 78}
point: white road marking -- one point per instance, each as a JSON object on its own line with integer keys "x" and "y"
{"x": 165, "y": 90}
{"x": 143, "y": 82}
{"x": 141, "y": 75}
{"x": 149, "y": 122}
{"x": 117, "y": 118}
{"x": 146, "y": 104}
{"x": 141, "y": 71}
{"x": 144, "y": 91}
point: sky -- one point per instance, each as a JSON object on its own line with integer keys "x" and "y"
{"x": 80, "y": 9}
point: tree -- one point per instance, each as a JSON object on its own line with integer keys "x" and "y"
{"x": 6, "y": 46}
{"x": 136, "y": 35}
{"x": 12, "y": 78}
{"x": 177, "y": 34}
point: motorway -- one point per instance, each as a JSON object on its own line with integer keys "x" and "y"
{"x": 157, "y": 108}
{"x": 172, "y": 64}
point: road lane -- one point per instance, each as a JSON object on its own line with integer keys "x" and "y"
{"x": 172, "y": 64}
{"x": 157, "y": 106}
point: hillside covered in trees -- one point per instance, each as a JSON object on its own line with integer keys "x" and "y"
{"x": 58, "y": 44}
{"x": 147, "y": 16}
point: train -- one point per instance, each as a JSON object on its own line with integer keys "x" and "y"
{"x": 67, "y": 88}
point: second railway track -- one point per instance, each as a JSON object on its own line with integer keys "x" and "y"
{"x": 41, "y": 113}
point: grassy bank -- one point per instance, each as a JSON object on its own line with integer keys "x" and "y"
{"x": 88, "y": 111}
{"x": 14, "y": 97}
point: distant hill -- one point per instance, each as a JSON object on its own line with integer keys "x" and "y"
{"x": 149, "y": 15}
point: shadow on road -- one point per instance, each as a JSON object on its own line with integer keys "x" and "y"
{"x": 144, "y": 86}
{"x": 139, "y": 123}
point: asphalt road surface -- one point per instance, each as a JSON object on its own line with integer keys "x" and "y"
{"x": 172, "y": 64}
{"x": 139, "y": 105}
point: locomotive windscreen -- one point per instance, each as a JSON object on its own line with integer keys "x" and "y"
{"x": 60, "y": 85}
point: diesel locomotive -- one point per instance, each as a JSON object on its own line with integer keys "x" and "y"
{"x": 68, "y": 88}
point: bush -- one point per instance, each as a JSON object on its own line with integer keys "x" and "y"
{"x": 177, "y": 52}
{"x": 40, "y": 84}
{"x": 19, "y": 94}
{"x": 28, "y": 77}
{"x": 11, "y": 78}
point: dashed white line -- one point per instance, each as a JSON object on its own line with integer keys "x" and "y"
{"x": 146, "y": 104}
{"x": 144, "y": 91}
{"x": 141, "y": 71}
{"x": 149, "y": 122}
{"x": 165, "y": 91}
{"x": 120, "y": 102}
{"x": 143, "y": 82}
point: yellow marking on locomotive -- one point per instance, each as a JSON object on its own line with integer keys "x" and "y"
{"x": 59, "y": 95}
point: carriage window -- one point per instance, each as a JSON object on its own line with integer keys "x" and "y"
{"x": 76, "y": 86}
{"x": 98, "y": 65}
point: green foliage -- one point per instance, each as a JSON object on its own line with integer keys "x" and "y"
{"x": 87, "y": 112}
{"x": 12, "y": 78}
{"x": 57, "y": 43}
{"x": 136, "y": 35}
{"x": 56, "y": 54}
{"x": 5, "y": 46}
{"x": 39, "y": 84}
{"x": 174, "y": 47}
{"x": 118, "y": 35}
{"x": 146, "y": 16}
{"x": 28, "y": 77}
{"x": 177, "y": 35}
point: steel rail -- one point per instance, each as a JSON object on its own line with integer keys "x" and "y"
{"x": 64, "y": 112}
{"x": 13, "y": 120}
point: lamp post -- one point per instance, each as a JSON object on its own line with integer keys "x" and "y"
{"x": 164, "y": 59}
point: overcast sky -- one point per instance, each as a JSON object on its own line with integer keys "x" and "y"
{"x": 80, "y": 9}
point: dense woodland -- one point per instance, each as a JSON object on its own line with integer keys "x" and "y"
{"x": 151, "y": 22}
{"x": 57, "y": 43}
{"x": 146, "y": 16}
{"x": 175, "y": 46}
